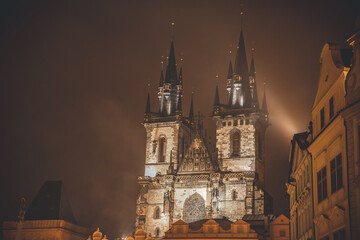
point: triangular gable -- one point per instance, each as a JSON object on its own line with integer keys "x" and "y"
{"x": 337, "y": 211}
{"x": 240, "y": 222}
{"x": 329, "y": 72}
{"x": 281, "y": 219}
{"x": 180, "y": 222}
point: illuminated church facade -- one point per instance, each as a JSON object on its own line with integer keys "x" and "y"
{"x": 186, "y": 177}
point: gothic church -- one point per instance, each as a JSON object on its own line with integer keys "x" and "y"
{"x": 185, "y": 177}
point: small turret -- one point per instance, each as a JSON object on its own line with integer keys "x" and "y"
{"x": 253, "y": 89}
{"x": 147, "y": 108}
{"x": 264, "y": 108}
{"x": 191, "y": 112}
{"x": 216, "y": 109}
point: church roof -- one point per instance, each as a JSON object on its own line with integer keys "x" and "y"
{"x": 224, "y": 223}
{"x": 51, "y": 203}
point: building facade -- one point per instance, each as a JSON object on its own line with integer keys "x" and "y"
{"x": 299, "y": 188}
{"x": 187, "y": 178}
{"x": 351, "y": 116}
{"x": 329, "y": 147}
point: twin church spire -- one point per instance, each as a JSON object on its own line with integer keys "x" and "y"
{"x": 241, "y": 86}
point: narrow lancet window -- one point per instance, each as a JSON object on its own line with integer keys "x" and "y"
{"x": 236, "y": 144}
{"x": 162, "y": 149}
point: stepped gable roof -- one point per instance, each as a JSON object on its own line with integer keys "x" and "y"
{"x": 51, "y": 203}
{"x": 224, "y": 223}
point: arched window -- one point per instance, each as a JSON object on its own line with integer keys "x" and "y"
{"x": 162, "y": 149}
{"x": 157, "y": 232}
{"x": 236, "y": 143}
{"x": 234, "y": 195}
{"x": 157, "y": 213}
{"x": 194, "y": 208}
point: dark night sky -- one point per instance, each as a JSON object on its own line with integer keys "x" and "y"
{"x": 73, "y": 88}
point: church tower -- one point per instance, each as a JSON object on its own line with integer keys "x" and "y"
{"x": 167, "y": 130}
{"x": 168, "y": 134}
{"x": 240, "y": 130}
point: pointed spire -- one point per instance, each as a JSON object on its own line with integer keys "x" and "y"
{"x": 241, "y": 64}
{"x": 147, "y": 108}
{"x": 253, "y": 88}
{"x": 161, "y": 82}
{"x": 180, "y": 77}
{"x": 179, "y": 104}
{"x": 191, "y": 112}
{"x": 217, "y": 99}
{"x": 230, "y": 71}
{"x": 252, "y": 65}
{"x": 171, "y": 75}
{"x": 264, "y": 104}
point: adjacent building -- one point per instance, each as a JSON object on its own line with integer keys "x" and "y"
{"x": 49, "y": 216}
{"x": 351, "y": 116}
{"x": 299, "y": 188}
{"x": 329, "y": 146}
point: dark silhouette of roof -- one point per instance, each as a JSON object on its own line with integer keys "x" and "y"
{"x": 223, "y": 222}
{"x": 51, "y": 203}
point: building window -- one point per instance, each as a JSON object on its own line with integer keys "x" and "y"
{"x": 339, "y": 235}
{"x": 157, "y": 232}
{"x": 236, "y": 143}
{"x": 282, "y": 233}
{"x": 322, "y": 184}
{"x": 194, "y": 208}
{"x": 234, "y": 195}
{"x": 336, "y": 173}
{"x": 229, "y": 123}
{"x": 157, "y": 213}
{"x": 331, "y": 107}
{"x": 235, "y": 122}
{"x": 224, "y": 124}
{"x": 162, "y": 149}
{"x": 322, "y": 118}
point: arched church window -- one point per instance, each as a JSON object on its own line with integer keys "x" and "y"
{"x": 157, "y": 232}
{"x": 234, "y": 195}
{"x": 157, "y": 213}
{"x": 194, "y": 208}
{"x": 236, "y": 143}
{"x": 162, "y": 149}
